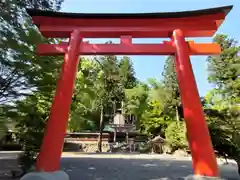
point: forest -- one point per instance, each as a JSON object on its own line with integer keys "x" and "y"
{"x": 103, "y": 84}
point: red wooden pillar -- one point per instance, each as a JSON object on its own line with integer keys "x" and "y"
{"x": 204, "y": 160}
{"x": 51, "y": 149}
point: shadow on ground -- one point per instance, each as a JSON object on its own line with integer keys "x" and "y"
{"x": 7, "y": 165}
{"x": 91, "y": 168}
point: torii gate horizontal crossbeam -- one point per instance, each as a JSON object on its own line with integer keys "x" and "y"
{"x": 204, "y": 29}
{"x": 129, "y": 49}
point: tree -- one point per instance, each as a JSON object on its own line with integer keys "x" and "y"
{"x": 3, "y": 127}
{"x": 222, "y": 70}
{"x": 173, "y": 103}
{"x": 19, "y": 64}
{"x": 136, "y": 101}
{"x": 224, "y": 126}
{"x": 27, "y": 81}
{"x": 127, "y": 74}
{"x": 155, "y": 120}
{"x": 30, "y": 116}
{"x": 100, "y": 89}
{"x": 113, "y": 81}
{"x": 223, "y": 101}
{"x": 112, "y": 93}
{"x": 176, "y": 136}
{"x": 86, "y": 102}
{"x": 115, "y": 78}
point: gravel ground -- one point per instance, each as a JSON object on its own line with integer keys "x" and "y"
{"x": 133, "y": 167}
{"x": 8, "y": 162}
{"x": 120, "y": 166}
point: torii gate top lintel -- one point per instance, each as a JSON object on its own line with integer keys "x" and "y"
{"x": 216, "y": 10}
{"x": 200, "y": 23}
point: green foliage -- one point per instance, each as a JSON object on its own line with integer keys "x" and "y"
{"x": 176, "y": 135}
{"x": 136, "y": 101}
{"x": 27, "y": 81}
{"x": 87, "y": 97}
{"x": 127, "y": 74}
{"x": 223, "y": 72}
{"x": 171, "y": 87}
{"x": 21, "y": 70}
{"x": 153, "y": 122}
{"x": 99, "y": 92}
{"x": 222, "y": 103}
{"x": 100, "y": 81}
{"x": 158, "y": 92}
{"x": 172, "y": 101}
{"x": 170, "y": 77}
{"x": 30, "y": 116}
{"x": 113, "y": 87}
{"x": 3, "y": 127}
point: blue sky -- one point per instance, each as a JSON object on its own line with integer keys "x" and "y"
{"x": 152, "y": 66}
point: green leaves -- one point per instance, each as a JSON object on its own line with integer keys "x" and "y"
{"x": 127, "y": 74}
{"x": 223, "y": 71}
{"x": 176, "y": 136}
{"x": 27, "y": 81}
{"x": 222, "y": 103}
{"x": 172, "y": 94}
{"x": 100, "y": 82}
{"x": 136, "y": 100}
{"x": 87, "y": 97}
{"x": 22, "y": 71}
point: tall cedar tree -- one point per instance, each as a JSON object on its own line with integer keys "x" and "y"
{"x": 172, "y": 104}
{"x": 127, "y": 74}
{"x": 224, "y": 69}
{"x": 224, "y": 118}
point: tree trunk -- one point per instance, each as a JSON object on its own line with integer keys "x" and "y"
{"x": 237, "y": 159}
{"x": 122, "y": 107}
{"x": 100, "y": 131}
{"x": 177, "y": 116}
{"x": 137, "y": 124}
{"x": 114, "y": 107}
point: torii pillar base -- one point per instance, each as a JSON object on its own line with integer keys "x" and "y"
{"x": 56, "y": 175}
{"x": 195, "y": 177}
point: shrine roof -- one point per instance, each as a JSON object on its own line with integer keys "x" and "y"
{"x": 225, "y": 10}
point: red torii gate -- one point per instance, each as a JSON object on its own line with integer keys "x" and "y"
{"x": 176, "y": 26}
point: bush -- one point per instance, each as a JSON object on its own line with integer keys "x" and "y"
{"x": 27, "y": 161}
{"x": 144, "y": 148}
{"x": 176, "y": 136}
{"x": 3, "y": 128}
{"x": 10, "y": 147}
{"x": 70, "y": 146}
{"x": 226, "y": 142}
{"x": 31, "y": 141}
